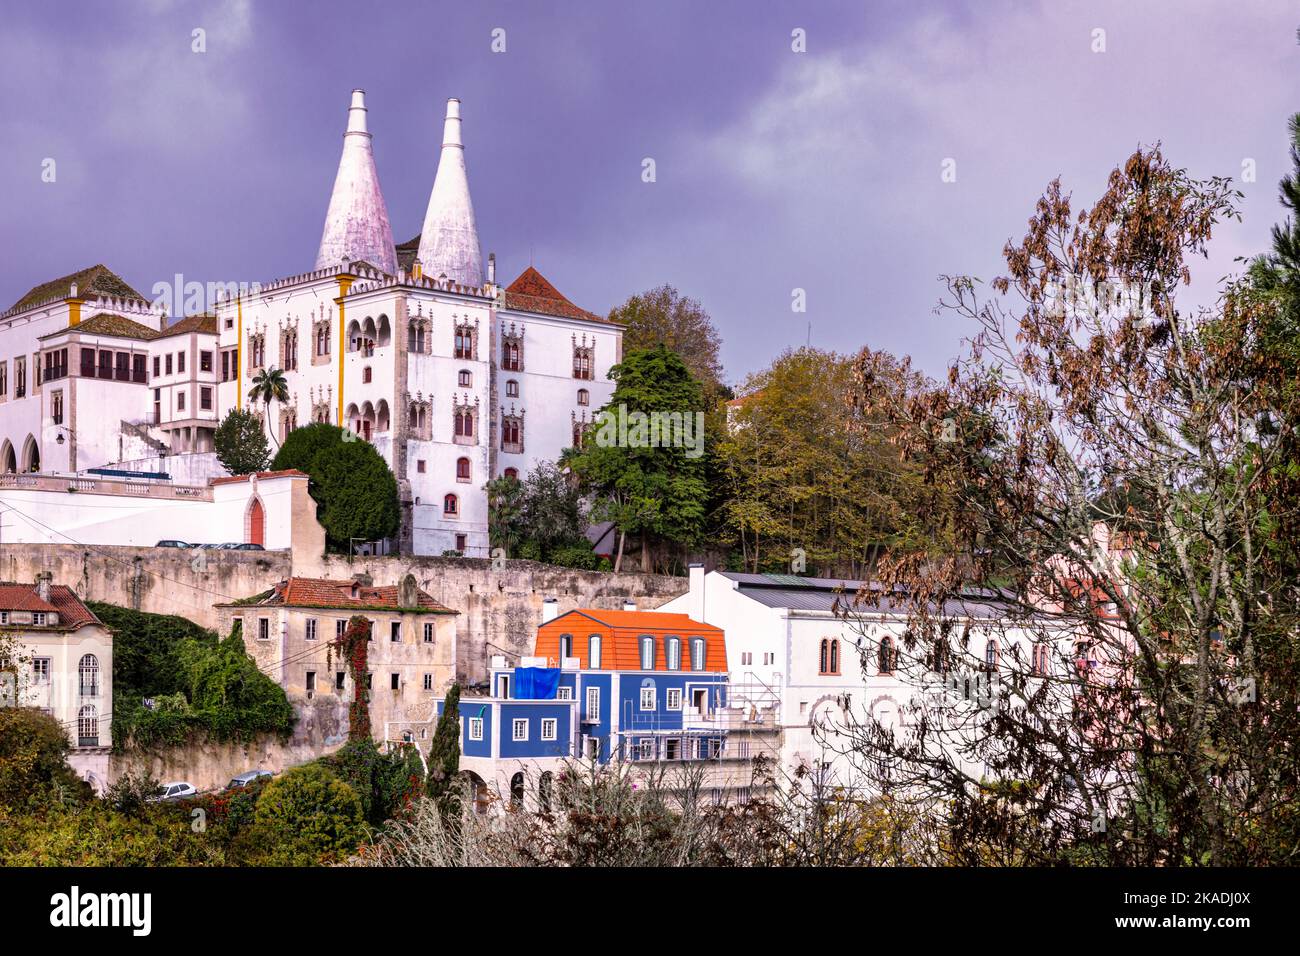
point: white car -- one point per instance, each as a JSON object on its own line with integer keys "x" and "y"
{"x": 176, "y": 791}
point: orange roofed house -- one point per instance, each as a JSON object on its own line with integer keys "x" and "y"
{"x": 642, "y": 688}
{"x": 292, "y": 630}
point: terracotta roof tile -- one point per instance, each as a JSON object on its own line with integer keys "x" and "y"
{"x": 203, "y": 324}
{"x": 533, "y": 292}
{"x": 106, "y": 323}
{"x": 63, "y": 600}
{"x": 260, "y": 476}
{"x": 96, "y": 280}
{"x": 329, "y": 593}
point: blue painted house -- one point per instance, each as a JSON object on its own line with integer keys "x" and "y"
{"x": 640, "y": 687}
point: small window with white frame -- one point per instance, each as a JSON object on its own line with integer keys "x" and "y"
{"x": 311, "y": 629}
{"x": 428, "y": 682}
{"x": 564, "y": 693}
{"x": 263, "y": 628}
{"x": 674, "y": 698}
{"x": 549, "y": 728}
{"x": 428, "y": 632}
{"x": 647, "y": 698}
{"x": 476, "y": 728}
{"x": 41, "y": 670}
{"x": 519, "y": 728}
{"x": 593, "y": 703}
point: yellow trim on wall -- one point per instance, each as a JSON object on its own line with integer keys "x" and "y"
{"x": 239, "y": 351}
{"x": 345, "y": 283}
{"x": 74, "y": 311}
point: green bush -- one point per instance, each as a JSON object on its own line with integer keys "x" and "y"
{"x": 34, "y": 769}
{"x": 145, "y": 661}
{"x": 354, "y": 489}
{"x": 309, "y": 816}
{"x": 200, "y": 686}
{"x": 384, "y": 783}
{"x": 94, "y": 834}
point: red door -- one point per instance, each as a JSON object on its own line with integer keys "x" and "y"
{"x": 256, "y": 523}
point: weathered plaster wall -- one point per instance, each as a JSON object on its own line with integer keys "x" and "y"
{"x": 499, "y": 609}
{"x": 209, "y": 765}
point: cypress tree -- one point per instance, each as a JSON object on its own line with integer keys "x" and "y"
{"x": 444, "y": 751}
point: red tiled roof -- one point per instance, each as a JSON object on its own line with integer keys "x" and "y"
{"x": 326, "y": 592}
{"x": 533, "y": 292}
{"x": 203, "y": 324}
{"x": 63, "y": 600}
{"x": 260, "y": 476}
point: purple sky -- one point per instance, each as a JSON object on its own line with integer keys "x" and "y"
{"x": 776, "y": 170}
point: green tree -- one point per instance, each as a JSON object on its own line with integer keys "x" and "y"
{"x": 269, "y": 385}
{"x": 309, "y": 815}
{"x": 240, "y": 443}
{"x": 385, "y": 782}
{"x": 444, "y": 751}
{"x": 647, "y": 487}
{"x": 1278, "y": 271}
{"x": 541, "y": 518}
{"x": 663, "y": 316}
{"x": 505, "y": 513}
{"x": 354, "y": 489}
{"x": 810, "y": 475}
{"x": 33, "y": 760}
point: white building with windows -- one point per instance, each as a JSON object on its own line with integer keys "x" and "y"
{"x": 66, "y": 668}
{"x": 789, "y": 647}
{"x": 455, "y": 379}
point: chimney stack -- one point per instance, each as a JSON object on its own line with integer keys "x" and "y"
{"x": 550, "y": 610}
{"x": 43, "y": 586}
{"x": 696, "y": 593}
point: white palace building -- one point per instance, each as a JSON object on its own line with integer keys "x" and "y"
{"x": 453, "y": 378}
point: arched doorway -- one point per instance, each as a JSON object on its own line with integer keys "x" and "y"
{"x": 544, "y": 792}
{"x": 517, "y": 791}
{"x": 31, "y": 455}
{"x": 256, "y": 533}
{"x": 8, "y": 460}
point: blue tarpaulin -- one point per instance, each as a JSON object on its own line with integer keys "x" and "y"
{"x": 536, "y": 683}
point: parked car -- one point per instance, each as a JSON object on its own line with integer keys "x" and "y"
{"x": 247, "y": 546}
{"x": 175, "y": 791}
{"x": 171, "y": 543}
{"x": 246, "y": 778}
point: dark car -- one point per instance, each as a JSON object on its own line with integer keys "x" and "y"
{"x": 242, "y": 780}
{"x": 171, "y": 543}
{"x": 247, "y": 546}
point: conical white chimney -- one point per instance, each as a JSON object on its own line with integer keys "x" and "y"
{"x": 356, "y": 224}
{"x": 449, "y": 240}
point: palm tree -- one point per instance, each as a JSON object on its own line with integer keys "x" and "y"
{"x": 269, "y": 385}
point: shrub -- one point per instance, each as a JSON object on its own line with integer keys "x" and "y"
{"x": 309, "y": 816}
{"x": 354, "y": 489}
{"x": 385, "y": 783}
{"x": 33, "y": 761}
